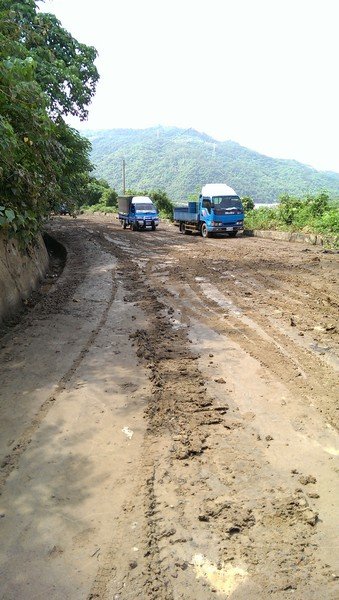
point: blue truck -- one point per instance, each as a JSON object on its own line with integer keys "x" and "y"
{"x": 137, "y": 212}
{"x": 219, "y": 210}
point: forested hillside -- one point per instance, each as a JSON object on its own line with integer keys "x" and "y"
{"x": 180, "y": 161}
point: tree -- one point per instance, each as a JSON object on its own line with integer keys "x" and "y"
{"x": 289, "y": 208}
{"x": 45, "y": 74}
{"x": 110, "y": 197}
{"x": 247, "y": 203}
{"x": 94, "y": 191}
{"x": 318, "y": 204}
{"x": 162, "y": 202}
{"x": 65, "y": 67}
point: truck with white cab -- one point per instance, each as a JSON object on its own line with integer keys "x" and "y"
{"x": 137, "y": 212}
{"x": 218, "y": 210}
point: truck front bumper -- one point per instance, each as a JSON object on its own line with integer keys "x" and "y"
{"x": 148, "y": 222}
{"x": 226, "y": 229}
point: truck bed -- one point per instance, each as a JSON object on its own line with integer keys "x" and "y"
{"x": 124, "y": 203}
{"x": 182, "y": 214}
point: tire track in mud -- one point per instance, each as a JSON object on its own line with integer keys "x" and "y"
{"x": 272, "y": 516}
{"x": 182, "y": 413}
{"x": 178, "y": 412}
{"x": 207, "y": 495}
{"x": 280, "y": 533}
{"x": 299, "y": 296}
{"x": 301, "y": 371}
{"x": 11, "y": 460}
{"x": 262, "y": 335}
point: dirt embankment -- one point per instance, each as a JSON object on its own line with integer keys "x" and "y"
{"x": 170, "y": 421}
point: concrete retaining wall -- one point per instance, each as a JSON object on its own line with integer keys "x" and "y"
{"x": 289, "y": 236}
{"x": 20, "y": 273}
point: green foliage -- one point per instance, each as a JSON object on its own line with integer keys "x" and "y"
{"x": 315, "y": 214}
{"x": 261, "y": 218}
{"x": 94, "y": 191}
{"x": 110, "y": 198}
{"x": 98, "y": 191}
{"x": 328, "y": 222}
{"x": 24, "y": 226}
{"x": 44, "y": 75}
{"x": 163, "y": 203}
{"x": 181, "y": 161}
{"x": 288, "y": 209}
{"x": 318, "y": 205}
{"x": 301, "y": 213}
{"x": 247, "y": 203}
{"x": 100, "y": 207}
{"x": 65, "y": 68}
{"x": 7, "y": 216}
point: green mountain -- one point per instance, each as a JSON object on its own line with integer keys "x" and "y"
{"x": 180, "y": 161}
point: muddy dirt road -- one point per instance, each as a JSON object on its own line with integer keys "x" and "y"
{"x": 169, "y": 421}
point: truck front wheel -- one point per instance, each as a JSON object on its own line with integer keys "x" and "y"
{"x": 204, "y": 231}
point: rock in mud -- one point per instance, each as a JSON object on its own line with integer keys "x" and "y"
{"x": 306, "y": 479}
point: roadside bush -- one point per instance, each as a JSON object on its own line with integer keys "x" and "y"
{"x": 301, "y": 212}
{"x": 100, "y": 207}
{"x": 288, "y": 209}
{"x": 95, "y": 188}
{"x": 99, "y": 193}
{"x": 317, "y": 214}
{"x": 318, "y": 205}
{"x": 261, "y": 218}
{"x": 110, "y": 198}
{"x": 163, "y": 203}
{"x": 328, "y": 222}
{"x": 247, "y": 203}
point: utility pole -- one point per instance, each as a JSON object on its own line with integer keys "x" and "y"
{"x": 123, "y": 177}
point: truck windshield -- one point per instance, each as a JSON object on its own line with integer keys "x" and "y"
{"x": 227, "y": 202}
{"x": 145, "y": 207}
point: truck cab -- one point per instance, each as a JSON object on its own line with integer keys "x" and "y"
{"x": 137, "y": 212}
{"x": 221, "y": 210}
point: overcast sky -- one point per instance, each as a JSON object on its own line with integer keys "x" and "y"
{"x": 263, "y": 73}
